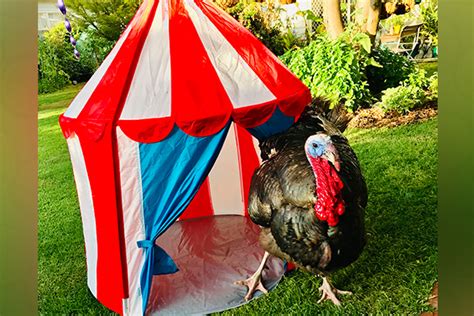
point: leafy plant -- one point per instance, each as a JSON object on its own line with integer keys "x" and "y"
{"x": 401, "y": 99}
{"x": 335, "y": 69}
{"x": 412, "y": 93}
{"x": 418, "y": 79}
{"x": 57, "y": 65}
{"x": 312, "y": 24}
{"x": 395, "y": 69}
{"x": 94, "y": 48}
{"x": 429, "y": 15}
{"x": 105, "y": 18}
{"x": 433, "y": 87}
{"x": 50, "y": 76}
{"x": 394, "y": 23}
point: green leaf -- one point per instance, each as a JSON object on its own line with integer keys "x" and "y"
{"x": 364, "y": 41}
{"x": 373, "y": 62}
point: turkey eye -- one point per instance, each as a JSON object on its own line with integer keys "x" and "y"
{"x": 315, "y": 145}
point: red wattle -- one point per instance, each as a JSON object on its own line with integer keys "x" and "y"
{"x": 330, "y": 204}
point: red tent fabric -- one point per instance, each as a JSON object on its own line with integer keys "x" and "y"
{"x": 184, "y": 63}
{"x": 180, "y": 64}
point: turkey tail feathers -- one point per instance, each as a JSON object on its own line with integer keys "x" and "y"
{"x": 338, "y": 115}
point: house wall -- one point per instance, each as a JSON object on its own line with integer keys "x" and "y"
{"x": 48, "y": 16}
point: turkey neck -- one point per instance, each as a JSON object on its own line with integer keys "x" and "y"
{"x": 329, "y": 205}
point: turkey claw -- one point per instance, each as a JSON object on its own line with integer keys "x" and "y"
{"x": 329, "y": 293}
{"x": 253, "y": 283}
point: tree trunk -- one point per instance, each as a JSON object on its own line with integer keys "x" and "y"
{"x": 361, "y": 14}
{"x": 373, "y": 18}
{"x": 332, "y": 18}
{"x": 368, "y": 16}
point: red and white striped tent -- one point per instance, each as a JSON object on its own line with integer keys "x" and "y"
{"x": 163, "y": 132}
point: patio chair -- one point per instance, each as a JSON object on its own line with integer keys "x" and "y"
{"x": 405, "y": 42}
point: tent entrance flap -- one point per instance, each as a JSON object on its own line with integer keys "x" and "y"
{"x": 211, "y": 254}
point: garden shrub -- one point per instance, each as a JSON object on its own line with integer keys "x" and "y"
{"x": 395, "y": 69}
{"x": 50, "y": 76}
{"x": 433, "y": 87}
{"x": 258, "y": 23}
{"x": 94, "y": 48}
{"x": 103, "y": 18}
{"x": 418, "y": 79}
{"x": 414, "y": 92}
{"x": 402, "y": 99}
{"x": 57, "y": 65}
{"x": 335, "y": 69}
{"x": 253, "y": 19}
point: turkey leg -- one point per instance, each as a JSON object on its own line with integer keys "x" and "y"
{"x": 329, "y": 292}
{"x": 255, "y": 281}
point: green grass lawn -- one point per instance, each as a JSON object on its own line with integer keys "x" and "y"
{"x": 430, "y": 67}
{"x": 394, "y": 275}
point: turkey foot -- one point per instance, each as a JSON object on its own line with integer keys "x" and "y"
{"x": 255, "y": 281}
{"x": 329, "y": 292}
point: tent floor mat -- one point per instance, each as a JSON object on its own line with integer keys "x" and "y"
{"x": 211, "y": 254}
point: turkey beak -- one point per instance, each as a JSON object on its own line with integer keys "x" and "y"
{"x": 332, "y": 156}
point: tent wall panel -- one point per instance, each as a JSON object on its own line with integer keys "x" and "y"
{"x": 109, "y": 286}
{"x": 84, "y": 193}
{"x": 241, "y": 83}
{"x": 248, "y": 162}
{"x": 133, "y": 221}
{"x": 234, "y": 166}
{"x": 224, "y": 179}
{"x": 282, "y": 83}
{"x": 201, "y": 205}
{"x": 103, "y": 91}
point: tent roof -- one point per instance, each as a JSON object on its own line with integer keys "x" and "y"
{"x": 187, "y": 63}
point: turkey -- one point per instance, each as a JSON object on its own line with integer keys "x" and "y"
{"x": 309, "y": 196}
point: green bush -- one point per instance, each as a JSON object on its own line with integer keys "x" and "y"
{"x": 270, "y": 35}
{"x": 418, "y": 79}
{"x": 57, "y": 65}
{"x": 402, "y": 99}
{"x": 94, "y": 49}
{"x": 414, "y": 92}
{"x": 335, "y": 69}
{"x": 433, "y": 87}
{"x": 395, "y": 69}
{"x": 104, "y": 18}
{"x": 50, "y": 76}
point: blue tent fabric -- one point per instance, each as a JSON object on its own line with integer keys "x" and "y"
{"x": 278, "y": 122}
{"x": 172, "y": 171}
{"x": 162, "y": 263}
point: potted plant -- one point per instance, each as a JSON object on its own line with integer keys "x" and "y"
{"x": 393, "y": 24}
{"x": 429, "y": 14}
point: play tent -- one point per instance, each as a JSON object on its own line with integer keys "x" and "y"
{"x": 162, "y": 133}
